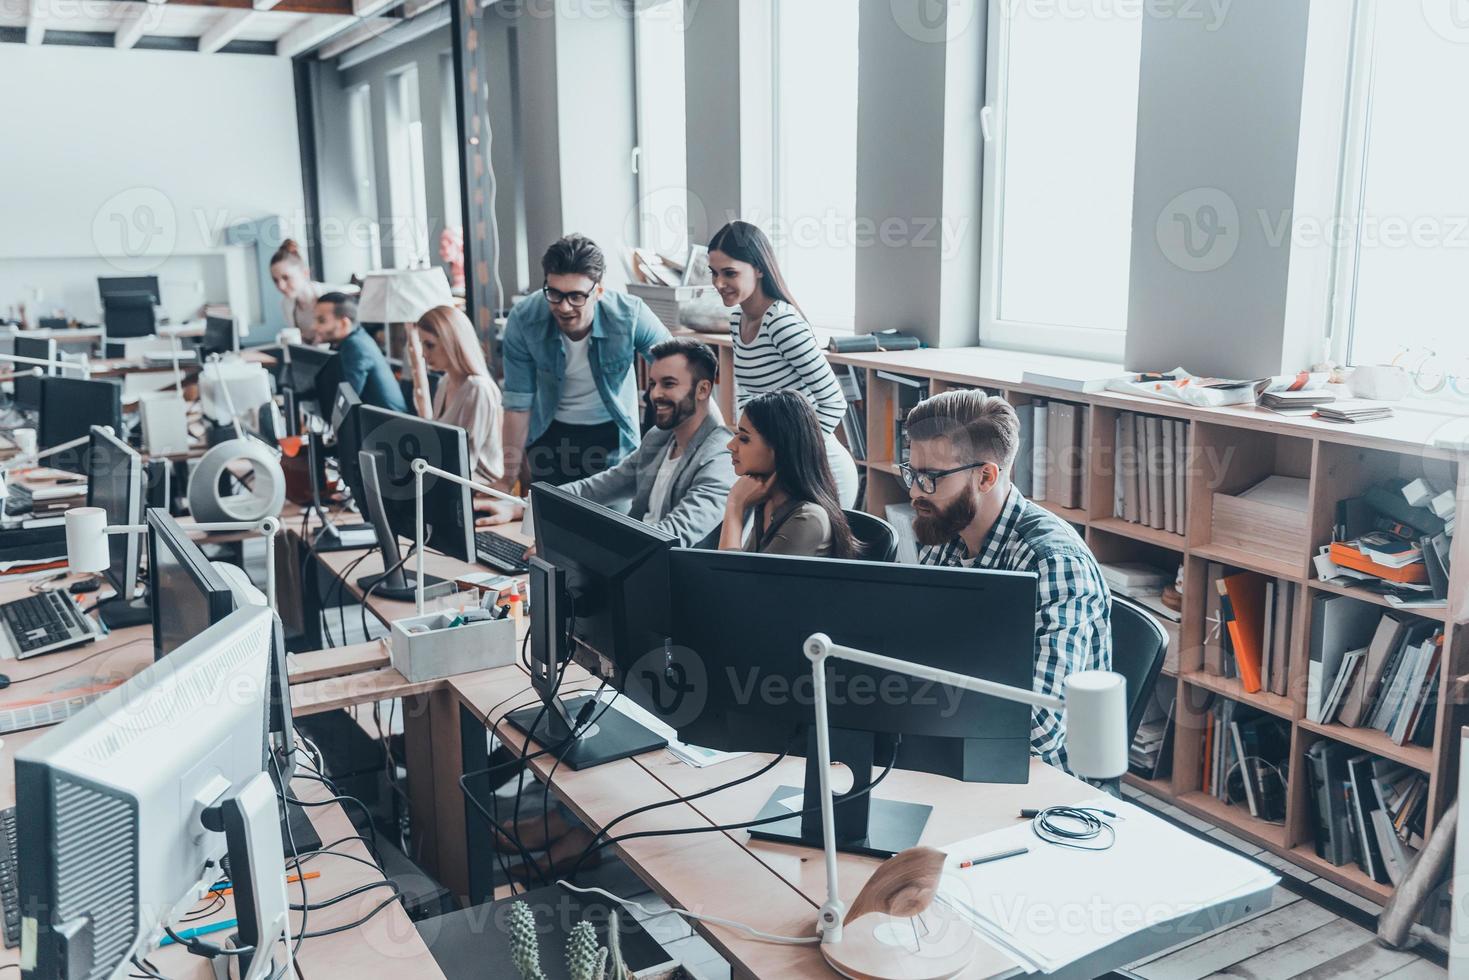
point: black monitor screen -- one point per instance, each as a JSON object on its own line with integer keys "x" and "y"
{"x": 114, "y": 483}
{"x": 219, "y": 335}
{"x": 313, "y": 374}
{"x": 109, "y": 286}
{"x": 397, "y": 440}
{"x": 69, "y": 409}
{"x": 28, "y": 388}
{"x": 188, "y": 596}
{"x": 128, "y": 315}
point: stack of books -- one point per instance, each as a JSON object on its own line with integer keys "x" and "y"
{"x": 1394, "y": 540}
{"x": 1367, "y": 810}
{"x": 1295, "y": 402}
{"x": 1150, "y": 484}
{"x": 1350, "y": 410}
{"x": 1248, "y": 621}
{"x": 1053, "y": 446}
{"x": 1373, "y": 671}
{"x": 1245, "y": 755}
{"x": 1151, "y": 755}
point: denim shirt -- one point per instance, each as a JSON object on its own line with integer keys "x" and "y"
{"x": 535, "y": 361}
{"x": 367, "y": 371}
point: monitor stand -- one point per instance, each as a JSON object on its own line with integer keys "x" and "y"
{"x": 118, "y": 613}
{"x": 399, "y": 585}
{"x": 329, "y": 537}
{"x": 877, "y": 828}
{"x": 613, "y": 736}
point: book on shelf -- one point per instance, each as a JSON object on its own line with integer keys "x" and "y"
{"x": 1246, "y": 758}
{"x": 1215, "y": 628}
{"x": 1151, "y": 486}
{"x": 854, "y": 422}
{"x": 1326, "y": 769}
{"x": 1284, "y": 629}
{"x": 1067, "y": 454}
{"x": 1022, "y": 471}
{"x": 1246, "y": 594}
{"x": 1040, "y": 457}
{"x": 1151, "y": 755}
{"x": 1338, "y": 624}
{"x": 907, "y": 393}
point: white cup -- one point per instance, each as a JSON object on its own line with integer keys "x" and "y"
{"x": 1380, "y": 382}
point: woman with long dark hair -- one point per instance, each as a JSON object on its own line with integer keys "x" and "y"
{"x": 780, "y": 457}
{"x": 774, "y": 346}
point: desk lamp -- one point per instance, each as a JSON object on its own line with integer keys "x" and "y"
{"x": 401, "y": 296}
{"x": 420, "y": 468}
{"x": 73, "y": 365}
{"x": 87, "y": 530}
{"x": 1096, "y": 739}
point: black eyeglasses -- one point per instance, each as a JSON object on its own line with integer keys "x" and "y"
{"x": 556, "y": 297}
{"x": 928, "y": 480}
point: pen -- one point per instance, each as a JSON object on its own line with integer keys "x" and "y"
{"x": 986, "y": 859}
{"x": 225, "y": 888}
{"x": 198, "y": 931}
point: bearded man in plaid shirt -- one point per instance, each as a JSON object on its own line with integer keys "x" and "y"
{"x": 968, "y": 514}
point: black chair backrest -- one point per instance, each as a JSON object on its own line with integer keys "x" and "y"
{"x": 876, "y": 538}
{"x": 1139, "y": 645}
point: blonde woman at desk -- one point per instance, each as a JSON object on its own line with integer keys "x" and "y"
{"x": 785, "y": 484}
{"x": 299, "y": 292}
{"x": 444, "y": 340}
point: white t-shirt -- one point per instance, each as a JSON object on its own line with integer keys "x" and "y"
{"x": 581, "y": 403}
{"x": 662, "y": 484}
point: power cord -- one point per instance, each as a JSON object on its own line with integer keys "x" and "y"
{"x": 1071, "y": 826}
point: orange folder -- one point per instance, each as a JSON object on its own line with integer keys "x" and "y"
{"x": 1247, "y": 629}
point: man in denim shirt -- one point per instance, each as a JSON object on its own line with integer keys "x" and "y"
{"x": 571, "y": 396}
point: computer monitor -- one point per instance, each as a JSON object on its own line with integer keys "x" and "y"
{"x": 28, "y": 388}
{"x": 108, "y": 286}
{"x": 126, "y": 812}
{"x": 129, "y": 315}
{"x": 395, "y": 440}
{"x": 187, "y": 594}
{"x": 219, "y": 336}
{"x": 602, "y": 580}
{"x": 739, "y": 680}
{"x": 115, "y": 483}
{"x": 69, "y": 409}
{"x": 313, "y": 375}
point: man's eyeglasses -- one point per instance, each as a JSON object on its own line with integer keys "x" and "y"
{"x": 928, "y": 480}
{"x": 556, "y": 297}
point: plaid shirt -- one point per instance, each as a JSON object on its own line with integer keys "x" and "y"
{"x": 1073, "y": 616}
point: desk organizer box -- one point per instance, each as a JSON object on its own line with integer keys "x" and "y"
{"x": 426, "y": 647}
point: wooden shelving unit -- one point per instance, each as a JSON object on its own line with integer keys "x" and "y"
{"x": 1228, "y": 450}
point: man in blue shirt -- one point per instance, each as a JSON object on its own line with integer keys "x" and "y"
{"x": 571, "y": 394}
{"x": 361, "y": 362}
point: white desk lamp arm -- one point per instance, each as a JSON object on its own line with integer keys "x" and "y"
{"x": 80, "y": 362}
{"x": 229, "y": 401}
{"x": 818, "y": 649}
{"x": 20, "y": 461}
{"x": 420, "y": 467}
{"x": 266, "y": 527}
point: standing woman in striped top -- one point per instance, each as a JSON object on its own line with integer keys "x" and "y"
{"x": 774, "y": 347}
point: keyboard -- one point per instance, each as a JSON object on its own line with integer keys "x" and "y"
{"x": 18, "y": 500}
{"x": 43, "y": 622}
{"x": 9, "y": 878}
{"x": 500, "y": 552}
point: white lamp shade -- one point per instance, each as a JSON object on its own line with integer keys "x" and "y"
{"x": 1096, "y": 724}
{"x": 402, "y": 295}
{"x": 86, "y": 540}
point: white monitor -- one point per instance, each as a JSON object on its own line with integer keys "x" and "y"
{"x": 113, "y": 810}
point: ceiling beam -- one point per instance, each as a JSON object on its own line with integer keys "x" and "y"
{"x": 305, "y": 36}
{"x": 264, "y": 4}
{"x": 35, "y": 24}
{"x": 341, "y": 8}
{"x": 363, "y": 32}
{"x": 130, "y": 28}
{"x": 223, "y": 30}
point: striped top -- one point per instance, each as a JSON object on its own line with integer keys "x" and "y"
{"x": 784, "y": 355}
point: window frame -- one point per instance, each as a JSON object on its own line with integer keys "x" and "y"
{"x": 1017, "y": 335}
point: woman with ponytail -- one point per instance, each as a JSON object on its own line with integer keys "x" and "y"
{"x": 299, "y": 292}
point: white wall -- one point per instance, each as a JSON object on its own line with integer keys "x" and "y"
{"x": 133, "y": 162}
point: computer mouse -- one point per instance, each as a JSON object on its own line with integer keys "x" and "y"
{"x": 4, "y": 682}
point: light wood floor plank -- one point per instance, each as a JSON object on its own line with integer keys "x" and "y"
{"x": 1301, "y": 954}
{"x": 1224, "y": 949}
{"x": 1419, "y": 969}
{"x": 1369, "y": 962}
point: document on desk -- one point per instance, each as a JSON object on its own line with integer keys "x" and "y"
{"x": 1056, "y": 905}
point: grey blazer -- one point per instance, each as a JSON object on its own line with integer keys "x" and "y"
{"x": 700, "y": 487}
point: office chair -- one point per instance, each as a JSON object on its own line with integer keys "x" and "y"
{"x": 1139, "y": 645}
{"x": 876, "y": 539}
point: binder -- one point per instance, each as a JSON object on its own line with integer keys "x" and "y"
{"x": 1247, "y": 599}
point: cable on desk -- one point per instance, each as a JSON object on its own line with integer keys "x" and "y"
{"x": 747, "y": 824}
{"x": 1086, "y": 824}
{"x": 551, "y": 775}
{"x": 681, "y": 799}
{"x": 338, "y": 798}
{"x": 76, "y": 663}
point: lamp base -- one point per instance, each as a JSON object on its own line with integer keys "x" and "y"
{"x": 936, "y": 945}
{"x": 338, "y": 539}
{"x": 119, "y": 613}
{"x": 433, "y": 587}
{"x": 892, "y": 825}
{"x": 613, "y": 736}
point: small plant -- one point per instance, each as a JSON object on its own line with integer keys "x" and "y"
{"x": 585, "y": 960}
{"x": 616, "y": 968}
{"x": 525, "y": 946}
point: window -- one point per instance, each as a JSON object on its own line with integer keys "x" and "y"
{"x": 1403, "y": 231}
{"x": 815, "y": 228}
{"x": 407, "y": 183}
{"x": 449, "y": 143}
{"x": 662, "y": 216}
{"x": 359, "y": 134}
{"x": 1061, "y": 133}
